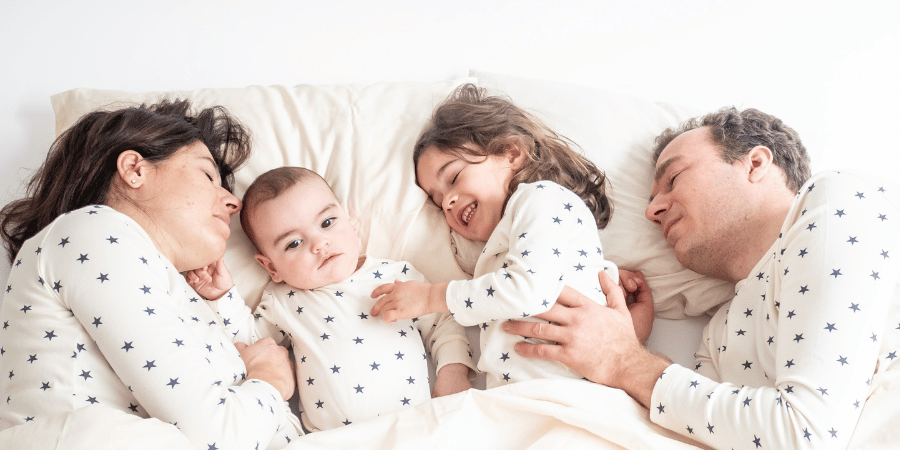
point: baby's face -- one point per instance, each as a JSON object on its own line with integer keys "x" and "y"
{"x": 306, "y": 237}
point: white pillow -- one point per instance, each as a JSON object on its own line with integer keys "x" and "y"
{"x": 616, "y": 132}
{"x": 358, "y": 137}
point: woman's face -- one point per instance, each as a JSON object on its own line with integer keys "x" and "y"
{"x": 471, "y": 195}
{"x": 188, "y": 210}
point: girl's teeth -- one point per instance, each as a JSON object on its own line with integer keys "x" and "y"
{"x": 467, "y": 214}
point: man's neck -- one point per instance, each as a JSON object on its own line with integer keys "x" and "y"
{"x": 760, "y": 237}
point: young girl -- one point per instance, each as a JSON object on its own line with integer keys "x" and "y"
{"x": 502, "y": 176}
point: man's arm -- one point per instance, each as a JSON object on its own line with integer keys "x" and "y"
{"x": 596, "y": 341}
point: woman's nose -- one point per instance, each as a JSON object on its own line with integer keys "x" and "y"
{"x": 233, "y": 204}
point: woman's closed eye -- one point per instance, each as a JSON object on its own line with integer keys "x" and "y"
{"x": 294, "y": 244}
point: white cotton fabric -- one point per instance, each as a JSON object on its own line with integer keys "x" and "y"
{"x": 546, "y": 239}
{"x": 94, "y": 315}
{"x": 809, "y": 334}
{"x": 351, "y": 366}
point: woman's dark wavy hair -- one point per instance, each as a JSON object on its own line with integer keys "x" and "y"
{"x": 81, "y": 163}
{"x": 492, "y": 122}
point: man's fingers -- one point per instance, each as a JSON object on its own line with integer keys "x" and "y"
{"x": 571, "y": 298}
{"x": 538, "y": 330}
{"x": 539, "y": 351}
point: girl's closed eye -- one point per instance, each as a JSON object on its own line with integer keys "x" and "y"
{"x": 294, "y": 244}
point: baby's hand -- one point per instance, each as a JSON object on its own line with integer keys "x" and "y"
{"x": 212, "y": 281}
{"x": 451, "y": 379}
{"x": 405, "y": 300}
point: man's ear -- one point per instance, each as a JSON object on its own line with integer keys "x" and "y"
{"x": 760, "y": 162}
{"x": 267, "y": 264}
{"x": 132, "y": 168}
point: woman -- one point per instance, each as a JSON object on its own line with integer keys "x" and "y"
{"x": 96, "y": 310}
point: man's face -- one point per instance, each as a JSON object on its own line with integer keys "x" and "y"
{"x": 697, "y": 199}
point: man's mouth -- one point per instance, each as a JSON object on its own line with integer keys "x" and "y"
{"x": 467, "y": 213}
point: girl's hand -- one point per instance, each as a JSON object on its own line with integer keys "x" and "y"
{"x": 408, "y": 300}
{"x": 640, "y": 302}
{"x": 212, "y": 281}
{"x": 451, "y": 379}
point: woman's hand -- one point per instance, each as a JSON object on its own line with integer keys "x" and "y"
{"x": 267, "y": 361}
{"x": 408, "y": 300}
{"x": 640, "y": 303}
{"x": 451, "y": 379}
{"x": 212, "y": 281}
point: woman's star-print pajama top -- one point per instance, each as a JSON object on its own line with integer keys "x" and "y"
{"x": 93, "y": 314}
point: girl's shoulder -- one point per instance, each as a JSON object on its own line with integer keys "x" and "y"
{"x": 544, "y": 189}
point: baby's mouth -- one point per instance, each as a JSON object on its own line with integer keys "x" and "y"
{"x": 467, "y": 213}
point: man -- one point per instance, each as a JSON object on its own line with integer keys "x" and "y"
{"x": 814, "y": 325}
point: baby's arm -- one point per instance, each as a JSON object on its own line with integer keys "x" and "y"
{"x": 451, "y": 379}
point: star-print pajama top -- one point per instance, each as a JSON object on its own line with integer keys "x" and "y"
{"x": 94, "y": 315}
{"x": 789, "y": 361}
{"x": 351, "y": 366}
{"x": 547, "y": 239}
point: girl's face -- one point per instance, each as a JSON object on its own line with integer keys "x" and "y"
{"x": 472, "y": 195}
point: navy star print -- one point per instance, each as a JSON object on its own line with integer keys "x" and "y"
{"x": 540, "y": 245}
{"x": 828, "y": 323}
{"x": 340, "y": 349}
{"x": 108, "y": 312}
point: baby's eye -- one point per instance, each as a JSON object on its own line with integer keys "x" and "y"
{"x": 328, "y": 222}
{"x": 294, "y": 244}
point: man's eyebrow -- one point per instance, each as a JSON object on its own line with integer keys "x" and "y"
{"x": 662, "y": 170}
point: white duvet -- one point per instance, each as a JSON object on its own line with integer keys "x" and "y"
{"x": 539, "y": 414}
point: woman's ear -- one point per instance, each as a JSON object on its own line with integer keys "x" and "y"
{"x": 131, "y": 168}
{"x": 760, "y": 161}
{"x": 267, "y": 264}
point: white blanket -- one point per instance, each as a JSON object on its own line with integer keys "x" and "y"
{"x": 540, "y": 414}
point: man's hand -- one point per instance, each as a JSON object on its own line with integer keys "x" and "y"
{"x": 267, "y": 361}
{"x": 212, "y": 281}
{"x": 408, "y": 300}
{"x": 599, "y": 342}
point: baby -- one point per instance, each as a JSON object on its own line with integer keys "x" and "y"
{"x": 350, "y": 366}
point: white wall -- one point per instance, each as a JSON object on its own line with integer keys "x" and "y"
{"x": 831, "y": 72}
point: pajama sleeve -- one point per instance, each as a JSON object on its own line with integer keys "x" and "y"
{"x": 190, "y": 377}
{"x": 835, "y": 278}
{"x": 543, "y": 216}
{"x": 245, "y": 325}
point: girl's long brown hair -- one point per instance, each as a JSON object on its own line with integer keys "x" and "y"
{"x": 81, "y": 163}
{"x": 471, "y": 116}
